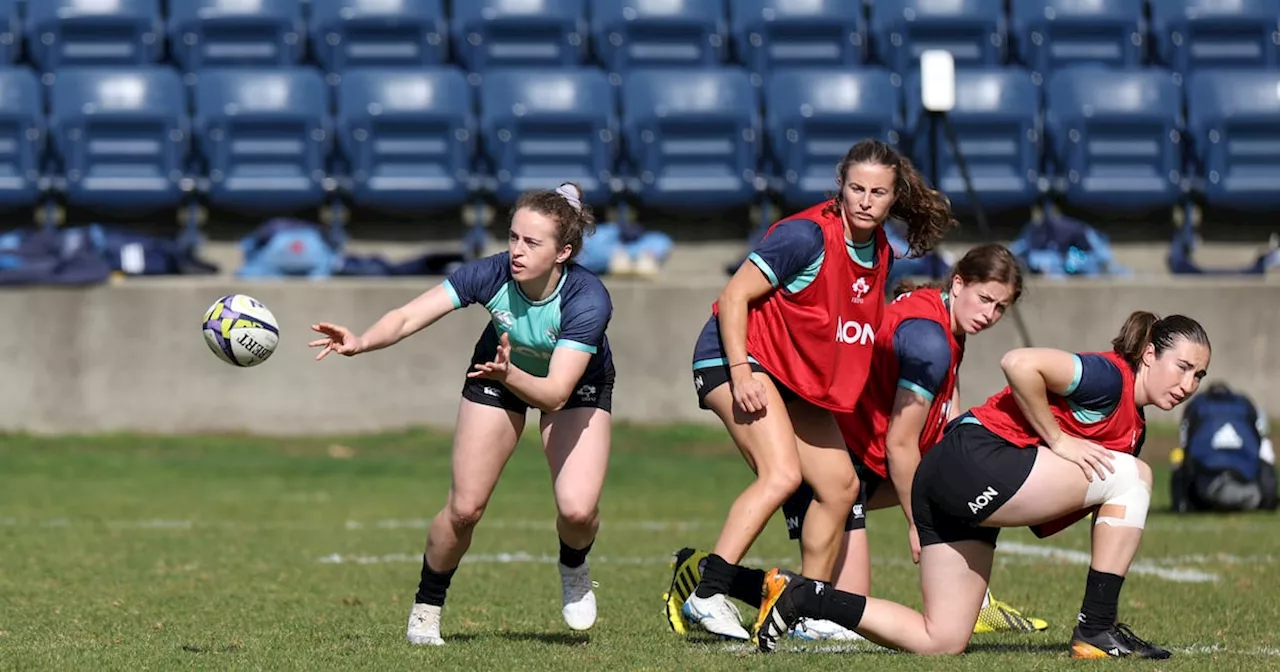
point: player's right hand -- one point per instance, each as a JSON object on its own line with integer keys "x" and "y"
{"x": 748, "y": 393}
{"x": 1089, "y": 456}
{"x": 337, "y": 339}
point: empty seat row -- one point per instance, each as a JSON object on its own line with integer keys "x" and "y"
{"x": 626, "y": 34}
{"x": 417, "y": 140}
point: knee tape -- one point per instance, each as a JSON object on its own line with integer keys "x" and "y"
{"x": 1123, "y": 498}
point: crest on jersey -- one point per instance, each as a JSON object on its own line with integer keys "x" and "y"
{"x": 553, "y": 334}
{"x": 860, "y": 290}
{"x": 504, "y": 318}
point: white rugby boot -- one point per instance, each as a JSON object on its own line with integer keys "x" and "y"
{"x": 578, "y": 599}
{"x": 424, "y": 626}
{"x": 716, "y": 615}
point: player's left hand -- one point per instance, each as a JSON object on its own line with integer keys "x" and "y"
{"x": 497, "y": 369}
{"x": 913, "y": 539}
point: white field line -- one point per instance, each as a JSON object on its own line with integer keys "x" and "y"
{"x": 1172, "y": 568}
{"x": 1145, "y": 566}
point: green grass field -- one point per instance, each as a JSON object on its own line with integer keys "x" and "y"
{"x": 244, "y": 553}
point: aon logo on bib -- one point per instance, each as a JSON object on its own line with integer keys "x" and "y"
{"x": 854, "y": 333}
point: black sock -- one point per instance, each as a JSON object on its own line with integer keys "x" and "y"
{"x": 573, "y": 557}
{"x": 717, "y": 576}
{"x": 746, "y": 586}
{"x": 433, "y": 585}
{"x": 1101, "y": 601}
{"x": 820, "y": 600}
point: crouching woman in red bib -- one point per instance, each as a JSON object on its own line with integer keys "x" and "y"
{"x": 1059, "y": 443}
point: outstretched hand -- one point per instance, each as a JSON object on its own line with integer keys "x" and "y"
{"x": 337, "y": 339}
{"x": 497, "y": 369}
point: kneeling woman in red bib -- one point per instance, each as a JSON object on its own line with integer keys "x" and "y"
{"x": 1056, "y": 445}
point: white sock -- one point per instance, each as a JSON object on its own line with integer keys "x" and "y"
{"x": 986, "y": 599}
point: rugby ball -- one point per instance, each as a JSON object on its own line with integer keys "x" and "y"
{"x": 240, "y": 330}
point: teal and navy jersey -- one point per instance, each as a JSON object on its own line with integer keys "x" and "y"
{"x": 575, "y": 316}
{"x": 923, "y": 350}
{"x": 790, "y": 257}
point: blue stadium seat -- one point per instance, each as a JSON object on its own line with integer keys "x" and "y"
{"x": 972, "y": 30}
{"x": 122, "y": 137}
{"x": 73, "y": 33}
{"x": 692, "y": 137}
{"x": 235, "y": 33}
{"x": 10, "y": 31}
{"x": 22, "y": 129}
{"x": 997, "y": 125}
{"x": 264, "y": 136}
{"x": 378, "y": 33}
{"x": 408, "y": 136}
{"x": 1233, "y": 120}
{"x": 797, "y": 33}
{"x": 542, "y": 127}
{"x": 1115, "y": 140}
{"x": 658, "y": 33}
{"x": 523, "y": 33}
{"x": 813, "y": 116}
{"x": 1054, "y": 33}
{"x": 1192, "y": 34}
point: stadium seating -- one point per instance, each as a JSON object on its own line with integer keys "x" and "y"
{"x": 10, "y": 32}
{"x": 73, "y": 33}
{"x": 1052, "y": 33}
{"x": 677, "y": 105}
{"x": 378, "y": 33}
{"x": 524, "y": 33}
{"x": 407, "y": 137}
{"x": 996, "y": 120}
{"x": 815, "y": 115}
{"x": 659, "y": 33}
{"x": 542, "y": 127}
{"x": 692, "y": 137}
{"x": 22, "y": 134}
{"x": 1192, "y": 34}
{"x": 772, "y": 34}
{"x": 1233, "y": 120}
{"x": 264, "y": 137}
{"x": 1115, "y": 138}
{"x": 121, "y": 137}
{"x": 972, "y": 30}
{"x": 236, "y": 33}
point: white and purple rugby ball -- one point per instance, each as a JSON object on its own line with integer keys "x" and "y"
{"x": 240, "y": 330}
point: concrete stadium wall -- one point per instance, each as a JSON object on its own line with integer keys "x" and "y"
{"x": 130, "y": 357}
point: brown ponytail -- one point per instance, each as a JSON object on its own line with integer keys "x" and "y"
{"x": 1144, "y": 327}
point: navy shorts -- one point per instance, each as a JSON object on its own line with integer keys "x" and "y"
{"x": 963, "y": 480}
{"x": 797, "y": 505}
{"x": 594, "y": 390}
{"x": 709, "y": 378}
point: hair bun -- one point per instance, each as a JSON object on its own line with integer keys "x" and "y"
{"x": 571, "y": 193}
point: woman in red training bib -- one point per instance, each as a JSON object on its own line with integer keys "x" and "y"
{"x": 1059, "y": 443}
{"x": 788, "y": 343}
